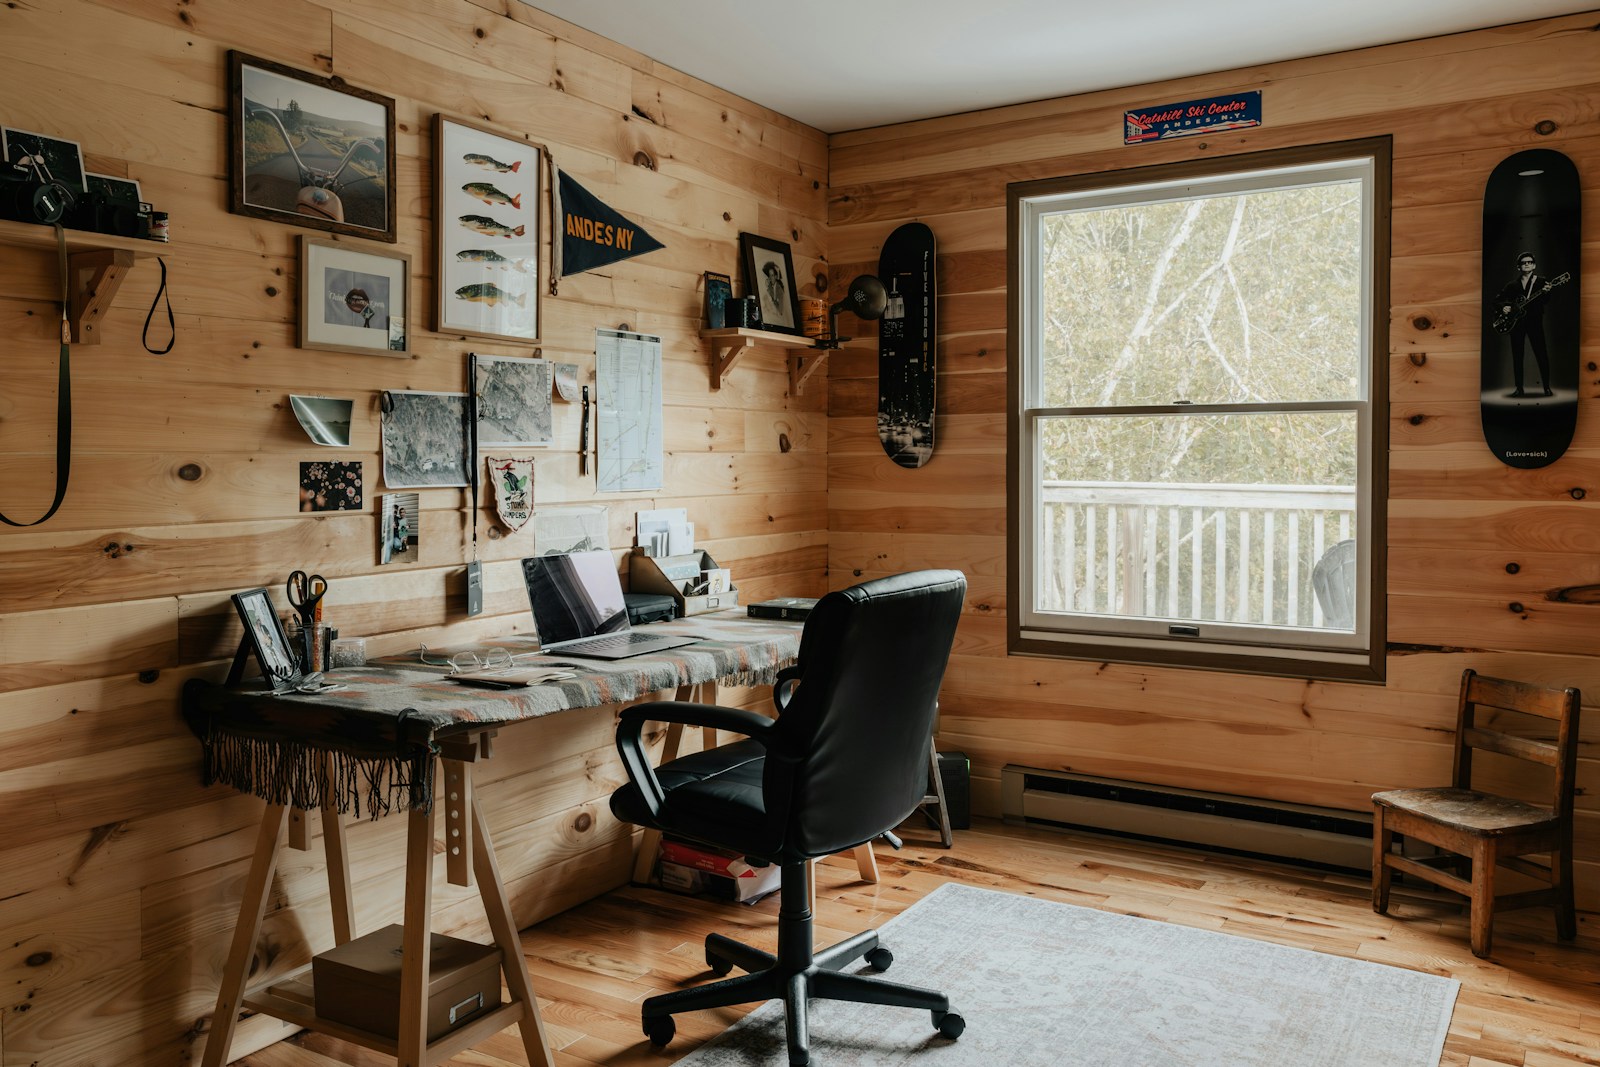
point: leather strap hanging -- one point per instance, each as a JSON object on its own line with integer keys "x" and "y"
{"x": 63, "y": 397}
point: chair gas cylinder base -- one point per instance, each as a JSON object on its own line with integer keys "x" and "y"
{"x": 846, "y": 760}
{"x": 795, "y": 975}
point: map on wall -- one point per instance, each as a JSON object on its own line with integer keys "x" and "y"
{"x": 628, "y": 442}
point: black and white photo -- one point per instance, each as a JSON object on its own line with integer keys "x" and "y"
{"x": 769, "y": 277}
{"x": 513, "y": 399}
{"x": 46, "y": 158}
{"x": 424, "y": 439}
{"x": 325, "y": 419}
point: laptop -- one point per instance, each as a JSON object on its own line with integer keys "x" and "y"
{"x": 579, "y": 611}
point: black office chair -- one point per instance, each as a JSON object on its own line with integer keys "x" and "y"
{"x": 845, "y": 762}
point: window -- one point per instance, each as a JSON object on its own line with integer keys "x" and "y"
{"x": 1198, "y": 370}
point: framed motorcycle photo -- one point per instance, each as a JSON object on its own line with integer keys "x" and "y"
{"x": 309, "y": 151}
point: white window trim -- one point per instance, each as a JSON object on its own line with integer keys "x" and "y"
{"x": 1144, "y": 637}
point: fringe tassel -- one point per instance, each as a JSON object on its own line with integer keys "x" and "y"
{"x": 306, "y": 777}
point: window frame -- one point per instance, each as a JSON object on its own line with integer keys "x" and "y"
{"x": 1303, "y": 653}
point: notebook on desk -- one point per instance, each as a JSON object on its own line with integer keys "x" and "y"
{"x": 579, "y": 610}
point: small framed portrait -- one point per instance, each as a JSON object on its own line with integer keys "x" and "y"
{"x": 353, "y": 298}
{"x": 486, "y": 217}
{"x": 46, "y": 158}
{"x": 279, "y": 664}
{"x": 309, "y": 150}
{"x": 719, "y": 290}
{"x": 769, "y": 276}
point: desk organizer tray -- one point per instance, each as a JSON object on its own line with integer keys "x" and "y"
{"x": 667, "y": 574}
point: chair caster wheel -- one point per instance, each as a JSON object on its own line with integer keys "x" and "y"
{"x": 660, "y": 1030}
{"x": 879, "y": 959}
{"x": 949, "y": 1024}
{"x": 718, "y": 966}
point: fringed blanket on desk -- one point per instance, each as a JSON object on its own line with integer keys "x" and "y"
{"x": 375, "y": 739}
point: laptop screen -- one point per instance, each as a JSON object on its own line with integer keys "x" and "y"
{"x": 574, "y": 595}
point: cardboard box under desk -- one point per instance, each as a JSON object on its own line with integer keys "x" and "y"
{"x": 666, "y": 574}
{"x": 358, "y": 983}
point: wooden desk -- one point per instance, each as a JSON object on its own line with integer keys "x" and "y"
{"x": 386, "y": 738}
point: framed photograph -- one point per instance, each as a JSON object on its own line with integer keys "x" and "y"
{"x": 719, "y": 290}
{"x": 353, "y": 298}
{"x": 279, "y": 665}
{"x": 486, "y": 219}
{"x": 47, "y": 158}
{"x": 116, "y": 190}
{"x": 309, "y": 150}
{"x": 769, "y": 275}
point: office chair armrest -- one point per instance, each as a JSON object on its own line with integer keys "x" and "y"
{"x": 630, "y": 730}
{"x": 784, "y": 687}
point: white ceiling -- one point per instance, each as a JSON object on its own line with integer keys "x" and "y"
{"x": 847, "y": 64}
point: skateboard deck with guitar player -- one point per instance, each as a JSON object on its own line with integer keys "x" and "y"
{"x": 1529, "y": 364}
{"x": 907, "y": 336}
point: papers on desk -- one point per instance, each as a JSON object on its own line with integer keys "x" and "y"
{"x": 512, "y": 677}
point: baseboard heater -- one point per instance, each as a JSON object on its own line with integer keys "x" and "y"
{"x": 1296, "y": 833}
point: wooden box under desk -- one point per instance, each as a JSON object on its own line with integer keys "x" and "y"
{"x": 358, "y": 983}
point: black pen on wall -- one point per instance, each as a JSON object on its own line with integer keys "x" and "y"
{"x": 583, "y": 435}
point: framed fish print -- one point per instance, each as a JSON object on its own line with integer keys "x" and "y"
{"x": 487, "y": 216}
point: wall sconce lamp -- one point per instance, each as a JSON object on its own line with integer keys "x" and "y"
{"x": 866, "y": 298}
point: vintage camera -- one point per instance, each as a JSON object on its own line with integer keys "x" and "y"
{"x": 101, "y": 214}
{"x": 25, "y": 196}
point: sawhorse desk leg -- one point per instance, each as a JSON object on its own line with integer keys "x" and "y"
{"x": 411, "y": 1046}
{"x": 252, "y": 910}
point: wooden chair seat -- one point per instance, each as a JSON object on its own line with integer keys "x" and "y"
{"x": 1478, "y": 832}
{"x": 1470, "y": 811}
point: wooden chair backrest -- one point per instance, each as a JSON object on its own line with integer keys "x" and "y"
{"x": 1560, "y": 755}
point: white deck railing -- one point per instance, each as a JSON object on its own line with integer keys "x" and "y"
{"x": 1217, "y": 553}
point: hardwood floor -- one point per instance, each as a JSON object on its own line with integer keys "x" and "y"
{"x": 1536, "y": 1003}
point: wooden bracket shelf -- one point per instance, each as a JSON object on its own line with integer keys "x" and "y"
{"x": 727, "y": 345}
{"x": 97, "y": 263}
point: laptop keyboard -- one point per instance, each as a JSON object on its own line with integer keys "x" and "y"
{"x": 614, "y": 643}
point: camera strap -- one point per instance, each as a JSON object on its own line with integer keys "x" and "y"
{"x": 63, "y": 397}
{"x": 172, "y": 324}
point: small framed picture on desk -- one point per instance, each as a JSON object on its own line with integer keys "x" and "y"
{"x": 267, "y": 638}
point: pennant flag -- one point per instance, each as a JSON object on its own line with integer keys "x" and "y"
{"x": 592, "y": 234}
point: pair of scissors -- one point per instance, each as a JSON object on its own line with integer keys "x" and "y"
{"x": 305, "y": 593}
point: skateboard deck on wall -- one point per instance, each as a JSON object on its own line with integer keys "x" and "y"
{"x": 1529, "y": 363}
{"x": 907, "y": 336}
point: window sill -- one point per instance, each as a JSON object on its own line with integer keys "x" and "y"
{"x": 1321, "y": 665}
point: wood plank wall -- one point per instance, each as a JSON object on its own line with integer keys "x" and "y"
{"x": 119, "y": 874}
{"x": 1457, "y": 518}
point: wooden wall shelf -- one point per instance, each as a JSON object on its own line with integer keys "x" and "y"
{"x": 97, "y": 263}
{"x": 727, "y": 345}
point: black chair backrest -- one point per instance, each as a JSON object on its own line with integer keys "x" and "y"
{"x": 856, "y": 735}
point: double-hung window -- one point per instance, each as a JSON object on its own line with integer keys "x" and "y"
{"x": 1198, "y": 435}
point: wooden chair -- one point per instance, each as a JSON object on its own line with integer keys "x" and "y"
{"x": 1482, "y": 829}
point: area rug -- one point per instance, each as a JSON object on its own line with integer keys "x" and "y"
{"x": 1042, "y": 984}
